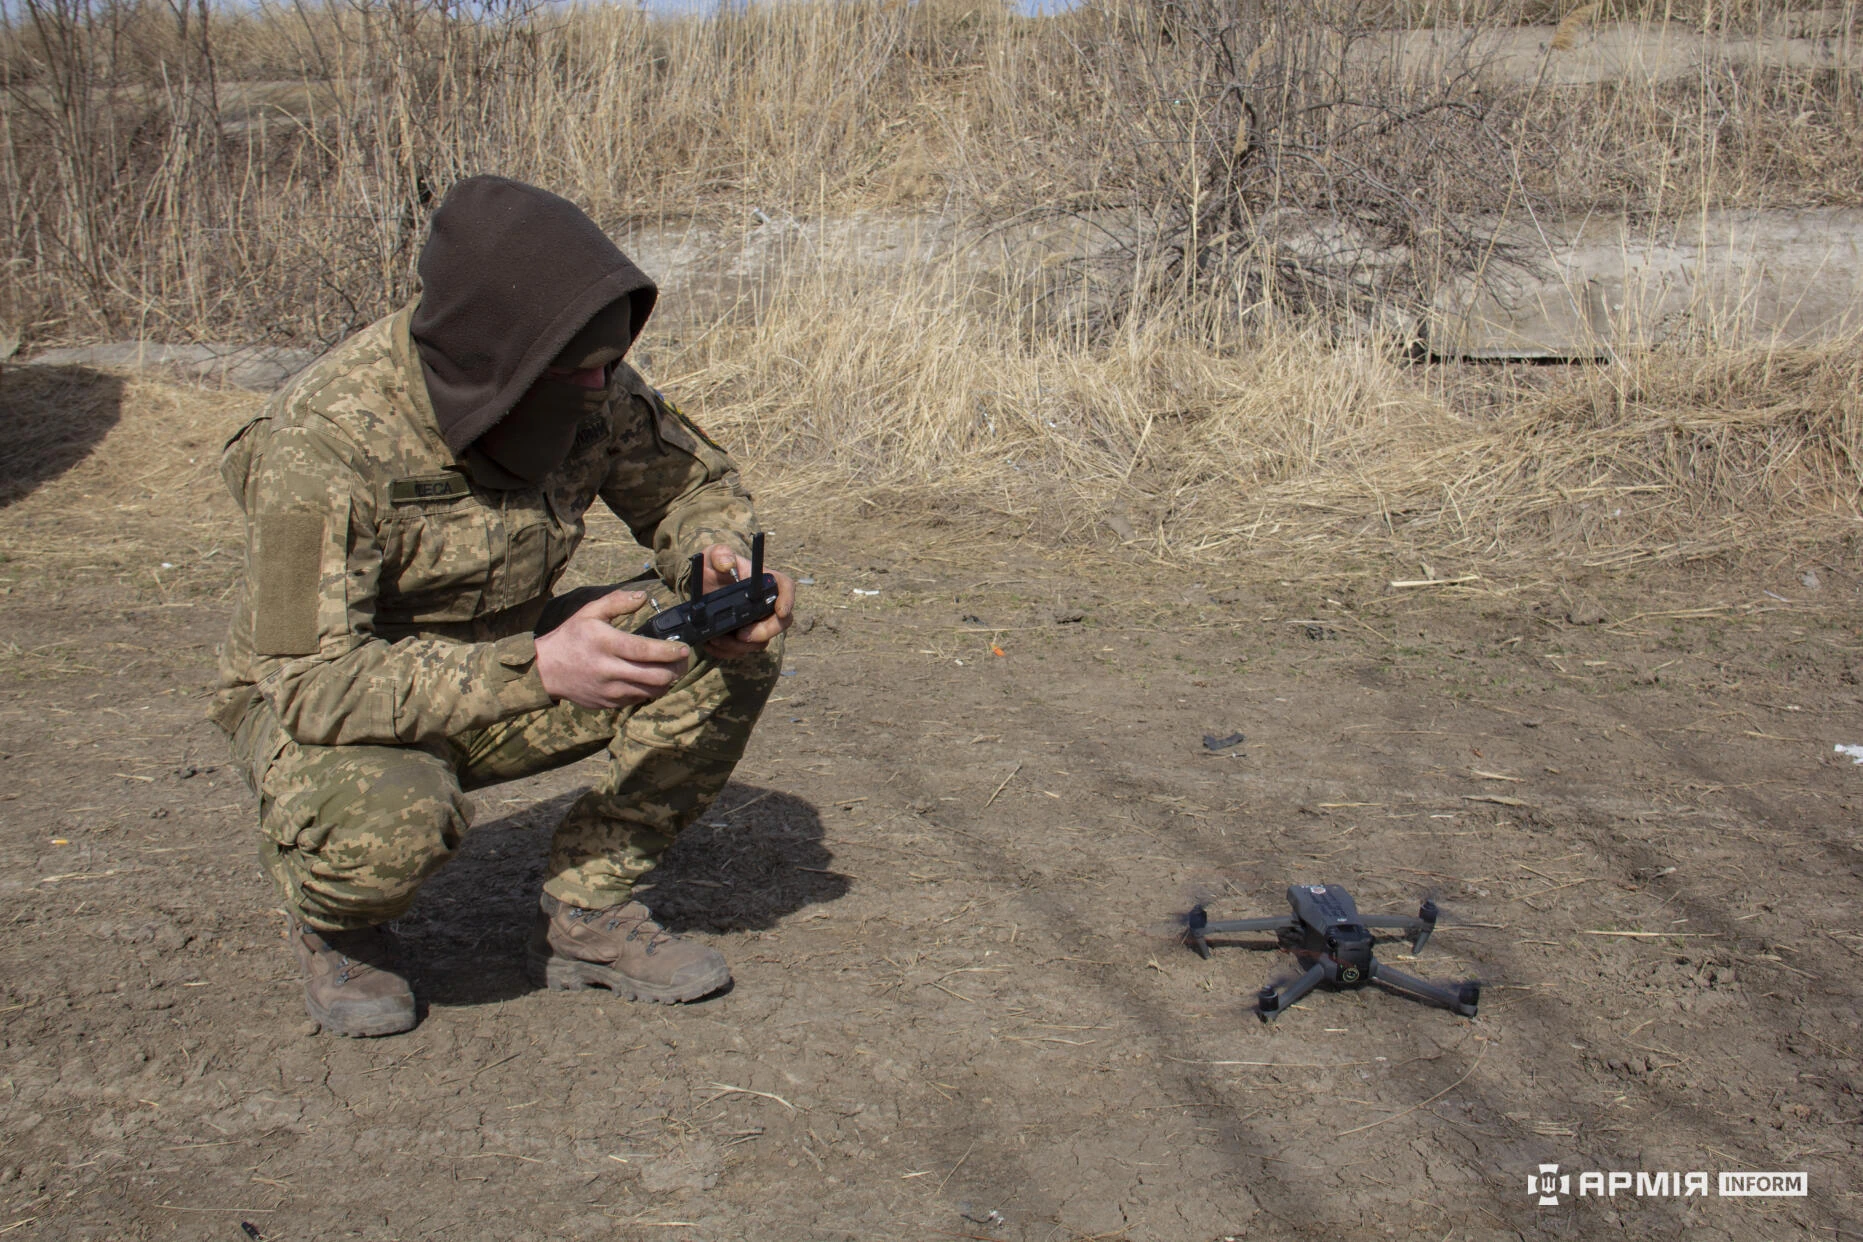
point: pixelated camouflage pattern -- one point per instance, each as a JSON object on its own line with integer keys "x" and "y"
{"x": 348, "y": 833}
{"x": 426, "y": 586}
{"x": 380, "y": 658}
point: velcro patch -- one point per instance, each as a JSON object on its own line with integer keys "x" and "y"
{"x": 287, "y": 567}
{"x": 449, "y": 485}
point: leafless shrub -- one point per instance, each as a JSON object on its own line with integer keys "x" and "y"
{"x": 1253, "y": 156}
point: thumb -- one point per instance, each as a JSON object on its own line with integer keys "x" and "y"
{"x": 612, "y": 605}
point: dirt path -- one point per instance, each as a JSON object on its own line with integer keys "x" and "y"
{"x": 942, "y": 879}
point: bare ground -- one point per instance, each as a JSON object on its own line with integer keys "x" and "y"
{"x": 944, "y": 878}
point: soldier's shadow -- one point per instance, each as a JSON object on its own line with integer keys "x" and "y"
{"x": 755, "y": 857}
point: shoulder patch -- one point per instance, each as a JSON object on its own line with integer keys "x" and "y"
{"x": 447, "y": 485}
{"x": 679, "y": 415}
{"x": 590, "y": 432}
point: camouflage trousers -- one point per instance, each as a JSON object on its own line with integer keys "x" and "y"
{"x": 349, "y": 832}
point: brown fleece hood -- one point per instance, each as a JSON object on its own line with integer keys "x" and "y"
{"x": 508, "y": 275}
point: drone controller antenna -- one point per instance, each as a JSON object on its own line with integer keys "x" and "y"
{"x": 697, "y": 578}
{"x": 756, "y": 559}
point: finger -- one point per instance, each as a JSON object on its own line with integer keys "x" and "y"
{"x": 625, "y": 645}
{"x": 785, "y": 595}
{"x": 759, "y": 634}
{"x": 721, "y": 563}
{"x": 730, "y": 647}
{"x": 619, "y": 676}
{"x": 612, "y": 605}
{"x": 635, "y": 649}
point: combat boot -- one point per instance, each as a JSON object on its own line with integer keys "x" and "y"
{"x": 352, "y": 980}
{"x": 622, "y": 949}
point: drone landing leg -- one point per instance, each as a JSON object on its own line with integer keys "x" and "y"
{"x": 1272, "y": 1002}
{"x": 1462, "y": 999}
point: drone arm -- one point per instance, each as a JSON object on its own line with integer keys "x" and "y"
{"x": 1462, "y": 999}
{"x": 1291, "y": 993}
{"x": 1416, "y": 930}
{"x": 1282, "y": 923}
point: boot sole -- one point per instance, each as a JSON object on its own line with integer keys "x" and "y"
{"x": 362, "y": 1026}
{"x": 567, "y": 974}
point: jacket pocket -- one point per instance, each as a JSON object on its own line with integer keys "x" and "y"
{"x": 435, "y": 563}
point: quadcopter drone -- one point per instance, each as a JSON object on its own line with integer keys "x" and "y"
{"x": 1332, "y": 942}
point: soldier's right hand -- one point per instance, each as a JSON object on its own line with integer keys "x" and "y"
{"x": 589, "y": 662}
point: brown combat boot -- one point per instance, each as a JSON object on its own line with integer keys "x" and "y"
{"x": 352, "y": 980}
{"x": 622, "y": 949}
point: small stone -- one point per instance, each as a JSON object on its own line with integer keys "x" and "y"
{"x": 1585, "y": 611}
{"x": 1810, "y": 579}
{"x": 308, "y": 1029}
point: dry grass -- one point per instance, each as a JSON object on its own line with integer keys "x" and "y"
{"x": 268, "y": 177}
{"x": 897, "y": 392}
{"x": 1302, "y": 451}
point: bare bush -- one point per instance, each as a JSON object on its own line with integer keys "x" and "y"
{"x": 1261, "y": 156}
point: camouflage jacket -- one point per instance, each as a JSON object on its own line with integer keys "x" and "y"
{"x": 387, "y": 598}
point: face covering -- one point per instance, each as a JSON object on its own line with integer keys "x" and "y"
{"x": 511, "y": 275}
{"x": 525, "y": 446}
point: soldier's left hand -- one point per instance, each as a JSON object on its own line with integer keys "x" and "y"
{"x": 723, "y": 567}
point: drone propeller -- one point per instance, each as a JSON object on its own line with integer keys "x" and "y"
{"x": 1188, "y": 926}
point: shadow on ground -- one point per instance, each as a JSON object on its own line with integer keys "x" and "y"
{"x": 755, "y": 857}
{"x": 54, "y": 417}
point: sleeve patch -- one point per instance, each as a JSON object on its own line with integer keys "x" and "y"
{"x": 287, "y": 569}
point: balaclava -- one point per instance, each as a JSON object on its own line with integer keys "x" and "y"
{"x": 515, "y": 279}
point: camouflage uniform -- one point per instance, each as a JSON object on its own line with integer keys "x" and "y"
{"x": 381, "y": 656}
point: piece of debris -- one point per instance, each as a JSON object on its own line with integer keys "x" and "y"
{"x": 1316, "y": 632}
{"x": 1404, "y": 584}
{"x": 1213, "y": 743}
{"x": 1855, "y": 752}
{"x": 1809, "y": 579}
{"x": 1069, "y": 616}
{"x": 971, "y": 618}
{"x": 858, "y": 591}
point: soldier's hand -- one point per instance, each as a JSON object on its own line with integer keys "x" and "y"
{"x": 589, "y": 662}
{"x": 723, "y": 567}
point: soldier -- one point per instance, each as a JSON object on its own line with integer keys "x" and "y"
{"x": 411, "y": 500}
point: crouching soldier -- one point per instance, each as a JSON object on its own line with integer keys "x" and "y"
{"x": 410, "y": 502}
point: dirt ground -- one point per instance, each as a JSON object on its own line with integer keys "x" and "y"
{"x": 944, "y": 879}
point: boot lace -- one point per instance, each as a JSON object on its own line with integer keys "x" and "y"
{"x": 615, "y": 917}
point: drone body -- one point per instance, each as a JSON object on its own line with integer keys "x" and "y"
{"x": 1333, "y": 944}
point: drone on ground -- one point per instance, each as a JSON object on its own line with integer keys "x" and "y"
{"x": 1333, "y": 944}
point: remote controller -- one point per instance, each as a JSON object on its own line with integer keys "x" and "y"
{"x": 707, "y": 615}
